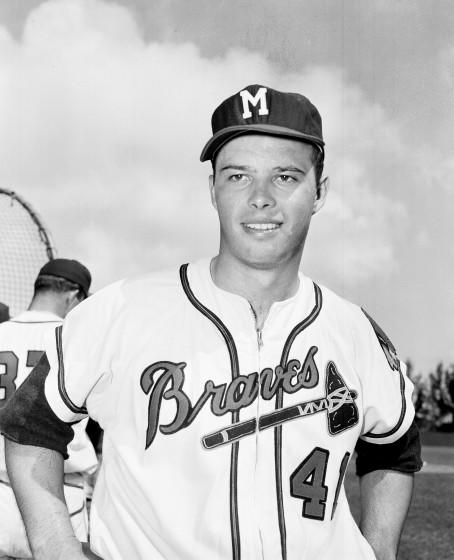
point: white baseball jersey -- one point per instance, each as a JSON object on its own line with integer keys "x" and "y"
{"x": 22, "y": 343}
{"x": 223, "y": 442}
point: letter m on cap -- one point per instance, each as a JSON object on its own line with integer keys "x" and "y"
{"x": 258, "y": 99}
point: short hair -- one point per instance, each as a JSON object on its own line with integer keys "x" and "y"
{"x": 56, "y": 284}
{"x": 317, "y": 157}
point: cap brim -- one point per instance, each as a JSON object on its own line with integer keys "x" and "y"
{"x": 216, "y": 142}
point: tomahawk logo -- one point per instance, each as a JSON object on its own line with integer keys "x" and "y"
{"x": 258, "y": 99}
{"x": 338, "y": 403}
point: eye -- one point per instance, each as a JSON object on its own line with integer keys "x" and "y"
{"x": 237, "y": 178}
{"x": 284, "y": 179}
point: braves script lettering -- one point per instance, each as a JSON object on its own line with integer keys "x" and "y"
{"x": 165, "y": 381}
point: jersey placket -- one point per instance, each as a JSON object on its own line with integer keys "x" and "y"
{"x": 248, "y": 340}
{"x": 268, "y": 350}
{"x": 259, "y": 336}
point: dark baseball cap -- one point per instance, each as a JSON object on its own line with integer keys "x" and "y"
{"x": 69, "y": 269}
{"x": 260, "y": 109}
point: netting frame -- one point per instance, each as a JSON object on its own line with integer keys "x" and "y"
{"x": 46, "y": 237}
{"x": 17, "y": 298}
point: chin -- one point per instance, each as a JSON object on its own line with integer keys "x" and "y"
{"x": 264, "y": 262}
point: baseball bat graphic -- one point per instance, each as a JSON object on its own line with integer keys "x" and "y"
{"x": 339, "y": 398}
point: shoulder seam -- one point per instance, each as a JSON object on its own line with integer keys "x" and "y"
{"x": 61, "y": 377}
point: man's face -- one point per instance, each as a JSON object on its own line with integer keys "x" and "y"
{"x": 265, "y": 193}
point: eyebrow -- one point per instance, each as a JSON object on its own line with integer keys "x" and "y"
{"x": 289, "y": 168}
{"x": 239, "y": 167}
{"x": 249, "y": 168}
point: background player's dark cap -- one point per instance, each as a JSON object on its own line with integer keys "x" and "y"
{"x": 69, "y": 269}
{"x": 262, "y": 110}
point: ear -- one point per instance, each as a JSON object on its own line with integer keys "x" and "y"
{"x": 322, "y": 191}
{"x": 212, "y": 193}
{"x": 71, "y": 300}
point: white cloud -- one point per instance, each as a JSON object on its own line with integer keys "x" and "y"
{"x": 102, "y": 133}
{"x": 393, "y": 7}
{"x": 446, "y": 62}
{"x": 355, "y": 233}
{"x": 440, "y": 173}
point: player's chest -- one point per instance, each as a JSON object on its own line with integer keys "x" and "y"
{"x": 231, "y": 375}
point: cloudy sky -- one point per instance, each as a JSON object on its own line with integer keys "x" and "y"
{"x": 105, "y": 106}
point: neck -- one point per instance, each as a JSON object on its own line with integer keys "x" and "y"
{"x": 260, "y": 286}
{"x": 45, "y": 302}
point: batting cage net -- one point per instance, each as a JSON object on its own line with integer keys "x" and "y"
{"x": 25, "y": 246}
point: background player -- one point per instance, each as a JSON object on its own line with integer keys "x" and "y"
{"x": 232, "y": 391}
{"x": 61, "y": 285}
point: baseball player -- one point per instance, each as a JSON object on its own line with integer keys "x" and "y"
{"x": 232, "y": 391}
{"x": 60, "y": 285}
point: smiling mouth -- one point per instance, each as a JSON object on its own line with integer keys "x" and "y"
{"x": 262, "y": 227}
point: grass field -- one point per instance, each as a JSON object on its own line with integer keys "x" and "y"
{"x": 429, "y": 530}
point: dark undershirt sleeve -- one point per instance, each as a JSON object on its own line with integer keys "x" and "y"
{"x": 403, "y": 455}
{"x": 28, "y": 419}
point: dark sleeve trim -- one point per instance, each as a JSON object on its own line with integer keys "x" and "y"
{"x": 77, "y": 511}
{"x": 403, "y": 455}
{"x": 28, "y": 419}
{"x": 61, "y": 377}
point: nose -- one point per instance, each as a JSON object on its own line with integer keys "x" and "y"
{"x": 261, "y": 195}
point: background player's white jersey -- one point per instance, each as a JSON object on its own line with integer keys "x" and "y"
{"x": 22, "y": 344}
{"x": 222, "y": 442}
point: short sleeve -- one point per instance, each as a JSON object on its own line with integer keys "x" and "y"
{"x": 27, "y": 418}
{"x": 82, "y": 353}
{"x": 386, "y": 388}
{"x": 403, "y": 455}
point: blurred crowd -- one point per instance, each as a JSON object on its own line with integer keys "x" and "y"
{"x": 433, "y": 398}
